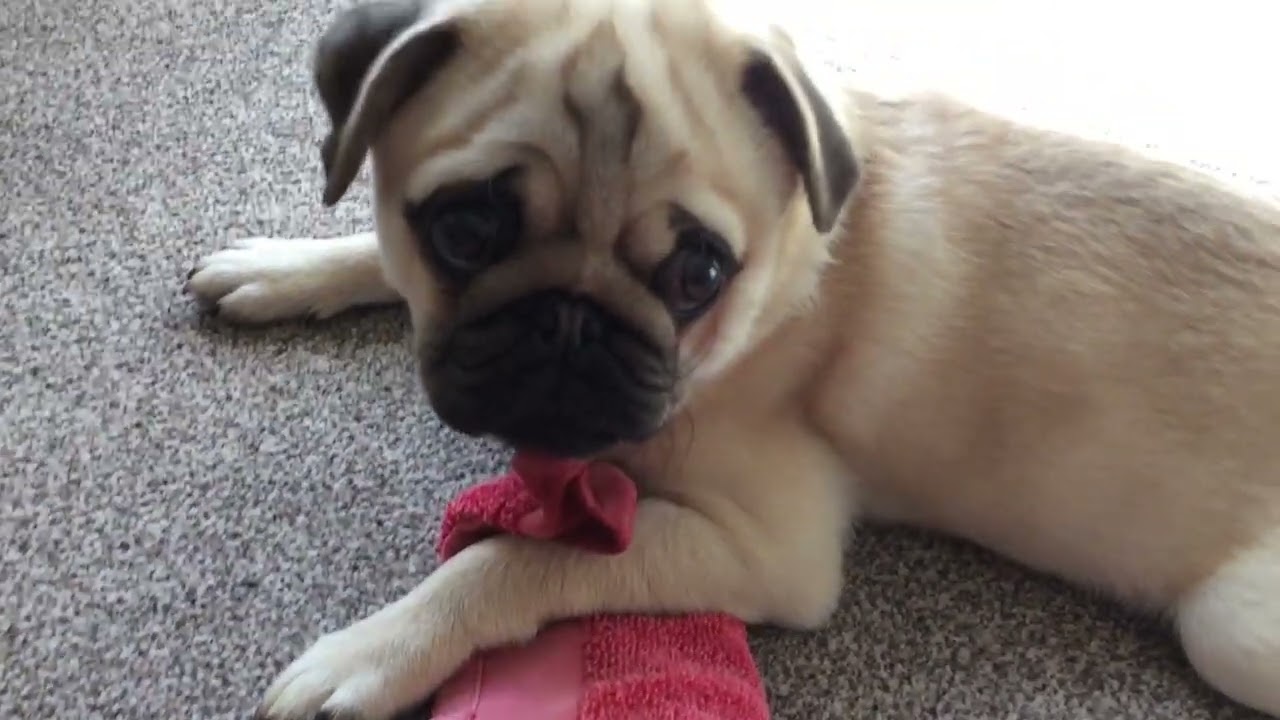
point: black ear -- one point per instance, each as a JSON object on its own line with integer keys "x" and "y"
{"x": 371, "y": 59}
{"x": 814, "y": 140}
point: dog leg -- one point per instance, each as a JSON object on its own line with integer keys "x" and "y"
{"x": 261, "y": 280}
{"x": 1230, "y": 627}
{"x": 503, "y": 590}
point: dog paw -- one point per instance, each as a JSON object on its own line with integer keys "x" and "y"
{"x": 372, "y": 670}
{"x": 263, "y": 279}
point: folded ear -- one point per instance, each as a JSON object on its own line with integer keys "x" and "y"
{"x": 814, "y": 140}
{"x": 371, "y": 59}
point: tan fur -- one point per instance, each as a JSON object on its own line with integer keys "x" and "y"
{"x": 1088, "y": 381}
{"x": 1057, "y": 348}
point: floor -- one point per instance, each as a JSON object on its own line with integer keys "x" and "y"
{"x": 184, "y": 506}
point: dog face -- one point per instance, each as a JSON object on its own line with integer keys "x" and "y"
{"x": 591, "y": 207}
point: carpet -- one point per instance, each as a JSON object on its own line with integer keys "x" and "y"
{"x": 186, "y": 506}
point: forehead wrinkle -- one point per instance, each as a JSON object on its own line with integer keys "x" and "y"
{"x": 683, "y": 104}
{"x": 660, "y": 175}
{"x": 679, "y": 112}
{"x": 650, "y": 77}
{"x": 489, "y": 72}
{"x": 630, "y": 112}
{"x": 573, "y": 110}
{"x": 450, "y": 113}
{"x": 544, "y": 66}
{"x": 605, "y": 114}
{"x": 498, "y": 99}
{"x": 709, "y": 107}
{"x": 497, "y": 106}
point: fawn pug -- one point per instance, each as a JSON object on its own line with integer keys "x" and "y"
{"x": 652, "y": 232}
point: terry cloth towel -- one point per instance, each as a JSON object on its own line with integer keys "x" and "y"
{"x": 602, "y": 667}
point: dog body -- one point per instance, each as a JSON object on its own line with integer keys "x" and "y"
{"x": 782, "y": 304}
{"x": 1078, "y": 374}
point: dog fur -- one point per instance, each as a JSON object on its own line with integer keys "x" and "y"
{"x": 1057, "y": 348}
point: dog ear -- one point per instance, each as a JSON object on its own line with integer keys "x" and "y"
{"x": 372, "y": 58}
{"x": 814, "y": 140}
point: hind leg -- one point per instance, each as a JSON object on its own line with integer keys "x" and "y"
{"x": 1230, "y": 627}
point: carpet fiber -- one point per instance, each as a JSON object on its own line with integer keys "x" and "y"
{"x": 186, "y": 506}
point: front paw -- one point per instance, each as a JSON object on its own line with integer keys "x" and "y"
{"x": 372, "y": 670}
{"x": 264, "y": 279}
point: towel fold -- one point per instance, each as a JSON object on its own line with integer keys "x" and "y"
{"x": 601, "y": 667}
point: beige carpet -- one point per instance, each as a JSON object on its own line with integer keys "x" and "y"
{"x": 185, "y": 506}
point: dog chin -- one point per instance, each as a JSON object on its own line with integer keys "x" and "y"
{"x": 569, "y": 443}
{"x": 551, "y": 431}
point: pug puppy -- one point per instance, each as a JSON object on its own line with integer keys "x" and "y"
{"x": 650, "y": 232}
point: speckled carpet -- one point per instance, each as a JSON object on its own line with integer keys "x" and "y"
{"x": 186, "y": 506}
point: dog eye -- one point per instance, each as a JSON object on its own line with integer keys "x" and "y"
{"x": 466, "y": 238}
{"x": 469, "y": 228}
{"x": 691, "y": 278}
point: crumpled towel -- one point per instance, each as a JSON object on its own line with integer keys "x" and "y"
{"x": 602, "y": 667}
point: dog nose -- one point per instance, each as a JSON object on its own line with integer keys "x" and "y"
{"x": 568, "y": 323}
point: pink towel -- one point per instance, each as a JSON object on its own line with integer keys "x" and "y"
{"x": 604, "y": 667}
